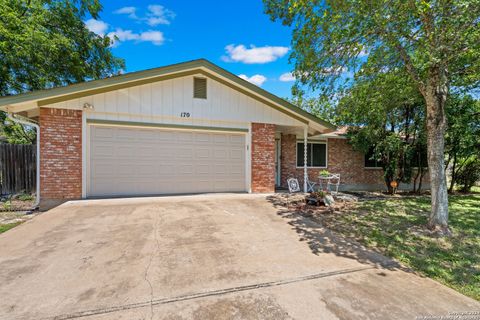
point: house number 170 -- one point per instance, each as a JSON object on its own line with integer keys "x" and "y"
{"x": 185, "y": 114}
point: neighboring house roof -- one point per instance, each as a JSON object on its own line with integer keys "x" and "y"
{"x": 58, "y": 94}
{"x": 340, "y": 133}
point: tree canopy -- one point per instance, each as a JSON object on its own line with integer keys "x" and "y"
{"x": 436, "y": 43}
{"x": 45, "y": 43}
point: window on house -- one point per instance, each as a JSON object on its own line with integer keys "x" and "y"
{"x": 200, "y": 88}
{"x": 370, "y": 162}
{"x": 316, "y": 154}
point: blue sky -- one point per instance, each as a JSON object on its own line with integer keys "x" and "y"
{"x": 239, "y": 37}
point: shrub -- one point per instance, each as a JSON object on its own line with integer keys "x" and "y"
{"x": 468, "y": 174}
{"x": 25, "y": 197}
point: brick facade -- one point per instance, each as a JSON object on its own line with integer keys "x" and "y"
{"x": 350, "y": 164}
{"x": 288, "y": 160}
{"x": 60, "y": 154}
{"x": 342, "y": 159}
{"x": 263, "y": 157}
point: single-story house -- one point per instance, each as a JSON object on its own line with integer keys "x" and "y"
{"x": 191, "y": 127}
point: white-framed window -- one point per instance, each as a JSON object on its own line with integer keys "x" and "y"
{"x": 316, "y": 154}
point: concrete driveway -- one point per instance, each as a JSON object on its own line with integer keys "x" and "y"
{"x": 201, "y": 257}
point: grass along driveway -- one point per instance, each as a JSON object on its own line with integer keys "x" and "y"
{"x": 13, "y": 211}
{"x": 397, "y": 229}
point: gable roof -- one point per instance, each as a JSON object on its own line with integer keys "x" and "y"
{"x": 58, "y": 94}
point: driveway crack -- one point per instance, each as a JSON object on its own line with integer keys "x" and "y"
{"x": 152, "y": 255}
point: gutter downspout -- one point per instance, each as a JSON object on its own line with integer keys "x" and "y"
{"x": 37, "y": 127}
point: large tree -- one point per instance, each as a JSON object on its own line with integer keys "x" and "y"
{"x": 45, "y": 43}
{"x": 436, "y": 42}
{"x": 386, "y": 120}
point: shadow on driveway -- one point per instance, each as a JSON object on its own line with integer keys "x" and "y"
{"x": 322, "y": 240}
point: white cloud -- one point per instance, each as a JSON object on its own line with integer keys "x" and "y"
{"x": 253, "y": 54}
{"x": 153, "y": 36}
{"x": 97, "y": 26}
{"x": 257, "y": 79}
{"x": 287, "y": 77}
{"x": 158, "y": 14}
{"x": 130, "y": 11}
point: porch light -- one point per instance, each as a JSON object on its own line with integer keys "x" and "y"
{"x": 88, "y": 106}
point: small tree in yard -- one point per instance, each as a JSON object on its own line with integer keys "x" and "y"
{"x": 437, "y": 43}
{"x": 469, "y": 174}
{"x": 462, "y": 142}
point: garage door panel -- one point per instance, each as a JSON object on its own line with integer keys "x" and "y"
{"x": 184, "y": 136}
{"x": 237, "y": 140}
{"x": 135, "y": 161}
{"x": 236, "y": 154}
{"x": 102, "y": 150}
{"x": 184, "y": 153}
{"x": 220, "y": 154}
{"x": 203, "y": 153}
{"x": 202, "y": 137}
{"x": 101, "y": 133}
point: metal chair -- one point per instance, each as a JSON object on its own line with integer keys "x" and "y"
{"x": 336, "y": 183}
{"x": 310, "y": 185}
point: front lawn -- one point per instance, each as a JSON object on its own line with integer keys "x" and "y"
{"x": 397, "y": 229}
{"x": 8, "y": 226}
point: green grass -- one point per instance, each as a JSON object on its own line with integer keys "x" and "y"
{"x": 25, "y": 197}
{"x": 397, "y": 228}
{"x": 8, "y": 226}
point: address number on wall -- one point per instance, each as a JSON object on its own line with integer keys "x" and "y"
{"x": 185, "y": 115}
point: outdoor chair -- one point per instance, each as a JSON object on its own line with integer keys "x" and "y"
{"x": 293, "y": 187}
{"x": 335, "y": 182}
{"x": 311, "y": 185}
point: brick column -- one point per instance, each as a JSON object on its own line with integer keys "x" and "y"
{"x": 60, "y": 156}
{"x": 288, "y": 159}
{"x": 263, "y": 157}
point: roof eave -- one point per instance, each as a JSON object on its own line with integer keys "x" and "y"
{"x": 49, "y": 94}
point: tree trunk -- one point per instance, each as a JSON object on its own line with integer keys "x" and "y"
{"x": 453, "y": 175}
{"x": 417, "y": 174}
{"x": 422, "y": 174}
{"x": 435, "y": 97}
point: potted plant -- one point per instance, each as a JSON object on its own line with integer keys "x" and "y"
{"x": 315, "y": 198}
{"x": 324, "y": 174}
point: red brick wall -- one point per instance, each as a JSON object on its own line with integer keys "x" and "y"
{"x": 350, "y": 164}
{"x": 263, "y": 157}
{"x": 288, "y": 160}
{"x": 342, "y": 159}
{"x": 60, "y": 154}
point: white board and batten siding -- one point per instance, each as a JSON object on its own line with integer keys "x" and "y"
{"x": 121, "y": 160}
{"x": 165, "y": 102}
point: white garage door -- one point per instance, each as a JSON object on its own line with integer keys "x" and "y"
{"x": 136, "y": 161}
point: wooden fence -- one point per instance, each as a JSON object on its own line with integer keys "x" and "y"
{"x": 18, "y": 168}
